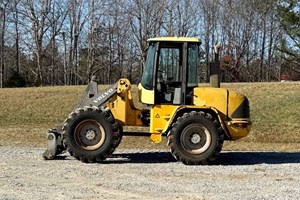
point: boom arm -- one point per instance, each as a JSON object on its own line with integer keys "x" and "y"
{"x": 118, "y": 99}
{"x": 98, "y": 99}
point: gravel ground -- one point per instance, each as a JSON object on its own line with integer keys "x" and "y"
{"x": 148, "y": 175}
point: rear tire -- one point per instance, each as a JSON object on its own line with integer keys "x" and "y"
{"x": 90, "y": 134}
{"x": 196, "y": 138}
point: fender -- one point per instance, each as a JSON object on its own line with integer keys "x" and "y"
{"x": 183, "y": 109}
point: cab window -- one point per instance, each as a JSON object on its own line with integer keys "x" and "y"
{"x": 147, "y": 78}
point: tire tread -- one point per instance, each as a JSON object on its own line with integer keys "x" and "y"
{"x": 174, "y": 131}
{"x": 88, "y": 158}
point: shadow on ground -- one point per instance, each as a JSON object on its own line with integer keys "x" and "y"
{"x": 252, "y": 158}
{"x": 225, "y": 158}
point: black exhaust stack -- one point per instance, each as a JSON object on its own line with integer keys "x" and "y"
{"x": 214, "y": 68}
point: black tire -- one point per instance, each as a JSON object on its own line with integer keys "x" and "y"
{"x": 196, "y": 138}
{"x": 120, "y": 136}
{"x": 90, "y": 134}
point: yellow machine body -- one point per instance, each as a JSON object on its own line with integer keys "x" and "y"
{"x": 229, "y": 107}
{"x": 222, "y": 103}
{"x": 226, "y": 103}
{"x": 122, "y": 107}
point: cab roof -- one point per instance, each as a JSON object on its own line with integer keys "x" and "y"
{"x": 174, "y": 39}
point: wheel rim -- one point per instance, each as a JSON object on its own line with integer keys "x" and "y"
{"x": 195, "y": 138}
{"x": 89, "y": 135}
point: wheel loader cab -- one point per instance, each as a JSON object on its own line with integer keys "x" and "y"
{"x": 170, "y": 72}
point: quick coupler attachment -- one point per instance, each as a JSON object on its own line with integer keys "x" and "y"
{"x": 54, "y": 144}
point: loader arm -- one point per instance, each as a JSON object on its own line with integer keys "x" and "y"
{"x": 118, "y": 99}
{"x": 99, "y": 99}
{"x": 91, "y": 96}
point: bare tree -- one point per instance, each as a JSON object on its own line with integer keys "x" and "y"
{"x": 3, "y": 13}
{"x": 186, "y": 18}
{"x": 91, "y": 41}
{"x": 2, "y": 34}
{"x": 145, "y": 18}
{"x": 17, "y": 33}
{"x": 77, "y": 20}
{"x": 57, "y": 19}
{"x": 37, "y": 13}
{"x": 210, "y": 10}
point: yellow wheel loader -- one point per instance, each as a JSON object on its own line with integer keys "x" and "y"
{"x": 196, "y": 120}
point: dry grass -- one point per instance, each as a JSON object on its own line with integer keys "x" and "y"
{"x": 27, "y": 113}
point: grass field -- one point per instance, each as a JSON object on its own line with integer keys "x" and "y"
{"x": 27, "y": 113}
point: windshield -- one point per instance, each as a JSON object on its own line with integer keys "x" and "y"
{"x": 147, "y": 78}
{"x": 170, "y": 65}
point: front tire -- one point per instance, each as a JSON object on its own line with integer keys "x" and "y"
{"x": 196, "y": 138}
{"x": 120, "y": 136}
{"x": 90, "y": 134}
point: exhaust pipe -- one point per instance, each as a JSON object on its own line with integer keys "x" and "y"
{"x": 214, "y": 68}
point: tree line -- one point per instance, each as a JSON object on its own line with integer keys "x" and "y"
{"x": 65, "y": 42}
